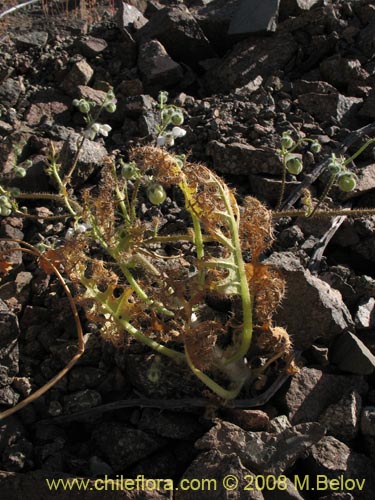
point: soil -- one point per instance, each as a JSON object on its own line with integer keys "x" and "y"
{"x": 301, "y": 433}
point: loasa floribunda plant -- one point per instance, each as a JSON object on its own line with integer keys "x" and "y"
{"x": 131, "y": 291}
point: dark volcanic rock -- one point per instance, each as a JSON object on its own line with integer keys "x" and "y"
{"x": 350, "y": 354}
{"x": 10, "y": 91}
{"x": 255, "y": 16}
{"x": 179, "y": 33}
{"x": 124, "y": 446}
{"x": 342, "y": 419}
{"x": 322, "y": 305}
{"x": 243, "y": 159}
{"x": 311, "y": 391}
{"x": 251, "y": 58}
{"x": 91, "y": 46}
{"x": 214, "y": 18}
{"x": 334, "y": 459}
{"x": 262, "y": 452}
{"x": 157, "y": 67}
{"x": 335, "y": 107}
{"x": 216, "y": 465}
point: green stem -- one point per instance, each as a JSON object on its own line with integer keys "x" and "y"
{"x": 211, "y": 384}
{"x": 283, "y": 182}
{"x": 360, "y": 151}
{"x": 324, "y": 195}
{"x": 198, "y": 241}
{"x": 247, "y": 329}
{"x": 361, "y": 212}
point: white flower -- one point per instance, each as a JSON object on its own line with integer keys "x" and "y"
{"x": 160, "y": 141}
{"x": 89, "y": 133}
{"x": 69, "y": 234}
{"x": 178, "y": 132}
{"x": 104, "y": 130}
{"x": 169, "y": 139}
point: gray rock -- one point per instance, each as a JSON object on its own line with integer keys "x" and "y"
{"x": 342, "y": 419}
{"x": 81, "y": 400}
{"x": 169, "y": 424}
{"x": 279, "y": 424}
{"x": 180, "y": 34}
{"x": 251, "y": 58}
{"x": 9, "y": 354}
{"x": 326, "y": 107}
{"x": 267, "y": 189}
{"x": 350, "y": 354}
{"x": 215, "y": 465}
{"x": 123, "y": 446}
{"x": 365, "y": 316}
{"x": 15, "y": 456}
{"x": 368, "y": 108}
{"x": 8, "y": 397}
{"x": 214, "y": 18}
{"x": 248, "y": 420}
{"x": 135, "y": 106}
{"x": 82, "y": 377}
{"x": 311, "y": 391}
{"x": 49, "y": 106}
{"x": 243, "y": 159}
{"x": 32, "y": 39}
{"x": 253, "y": 16}
{"x": 10, "y": 91}
{"x": 334, "y": 459}
{"x": 32, "y": 485}
{"x": 130, "y": 17}
{"x": 296, "y": 7}
{"x": 368, "y": 421}
{"x": 80, "y": 74}
{"x": 288, "y": 491}
{"x": 366, "y": 39}
{"x": 91, "y": 46}
{"x": 156, "y": 66}
{"x": 91, "y": 156}
{"x": 322, "y": 305}
{"x": 301, "y": 87}
{"x": 340, "y": 71}
{"x": 262, "y": 452}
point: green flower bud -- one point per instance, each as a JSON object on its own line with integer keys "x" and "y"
{"x": 347, "y": 181}
{"x": 334, "y": 167}
{"x": 177, "y": 118}
{"x": 156, "y": 194}
{"x": 20, "y": 171}
{"x": 84, "y": 107}
{"x": 287, "y": 142}
{"x": 5, "y": 211}
{"x": 166, "y": 115}
{"x": 129, "y": 171}
{"x": 111, "y": 107}
{"x": 315, "y": 147}
{"x": 294, "y": 165}
{"x": 76, "y": 102}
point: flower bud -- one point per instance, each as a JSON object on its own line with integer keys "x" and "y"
{"x": 111, "y": 107}
{"x": 287, "y": 142}
{"x": 177, "y": 118}
{"x": 84, "y": 107}
{"x": 315, "y": 147}
{"x": 294, "y": 165}
{"x": 347, "y": 181}
{"x": 156, "y": 194}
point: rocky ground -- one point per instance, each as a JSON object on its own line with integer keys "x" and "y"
{"x": 311, "y": 70}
